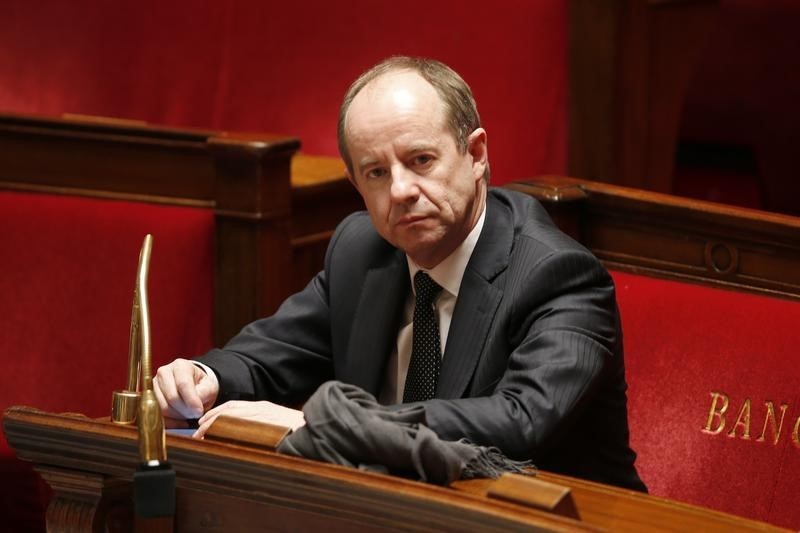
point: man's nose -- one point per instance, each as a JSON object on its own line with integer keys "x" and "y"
{"x": 404, "y": 185}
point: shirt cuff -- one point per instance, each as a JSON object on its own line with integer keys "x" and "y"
{"x": 209, "y": 372}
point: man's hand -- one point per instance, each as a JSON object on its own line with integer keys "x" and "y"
{"x": 184, "y": 391}
{"x": 263, "y": 411}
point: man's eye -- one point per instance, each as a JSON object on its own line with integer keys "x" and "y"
{"x": 422, "y": 159}
{"x": 376, "y": 173}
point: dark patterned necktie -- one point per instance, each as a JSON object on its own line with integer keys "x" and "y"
{"x": 426, "y": 348}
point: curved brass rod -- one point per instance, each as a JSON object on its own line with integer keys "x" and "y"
{"x": 125, "y": 403}
{"x": 144, "y": 313}
{"x": 133, "y": 345}
{"x": 132, "y": 406}
{"x": 152, "y": 441}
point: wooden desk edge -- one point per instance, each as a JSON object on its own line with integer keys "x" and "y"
{"x": 598, "y": 505}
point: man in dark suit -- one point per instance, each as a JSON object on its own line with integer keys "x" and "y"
{"x": 527, "y": 353}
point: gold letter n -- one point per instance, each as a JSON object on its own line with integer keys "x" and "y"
{"x": 777, "y": 427}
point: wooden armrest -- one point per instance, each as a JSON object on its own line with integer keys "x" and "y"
{"x": 240, "y": 431}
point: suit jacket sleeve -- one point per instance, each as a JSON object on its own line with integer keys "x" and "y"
{"x": 559, "y": 324}
{"x": 282, "y": 358}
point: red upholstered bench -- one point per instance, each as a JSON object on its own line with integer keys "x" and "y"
{"x": 66, "y": 288}
{"x": 709, "y": 297}
{"x": 713, "y": 399}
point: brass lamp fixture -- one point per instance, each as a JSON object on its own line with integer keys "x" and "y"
{"x": 154, "y": 478}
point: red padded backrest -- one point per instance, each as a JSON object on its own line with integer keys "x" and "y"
{"x": 67, "y": 274}
{"x": 688, "y": 348}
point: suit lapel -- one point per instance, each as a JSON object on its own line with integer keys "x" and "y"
{"x": 478, "y": 301}
{"x": 475, "y": 309}
{"x": 375, "y": 324}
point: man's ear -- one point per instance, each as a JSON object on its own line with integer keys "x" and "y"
{"x": 478, "y": 149}
{"x": 350, "y": 177}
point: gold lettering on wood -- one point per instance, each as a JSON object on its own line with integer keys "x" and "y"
{"x": 742, "y": 420}
{"x": 777, "y": 427}
{"x": 716, "y": 412}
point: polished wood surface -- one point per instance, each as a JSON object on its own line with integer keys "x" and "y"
{"x": 244, "y": 431}
{"x": 238, "y": 488}
{"x": 274, "y": 210}
{"x": 613, "y": 509}
{"x": 230, "y": 487}
{"x": 676, "y": 238}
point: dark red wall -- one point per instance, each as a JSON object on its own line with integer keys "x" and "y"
{"x": 283, "y": 67}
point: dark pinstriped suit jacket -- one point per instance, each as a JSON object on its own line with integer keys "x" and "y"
{"x": 533, "y": 362}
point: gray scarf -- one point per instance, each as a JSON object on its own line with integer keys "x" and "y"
{"x": 347, "y": 426}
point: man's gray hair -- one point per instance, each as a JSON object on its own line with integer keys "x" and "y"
{"x": 461, "y": 111}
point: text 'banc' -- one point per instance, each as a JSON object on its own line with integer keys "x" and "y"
{"x": 773, "y": 420}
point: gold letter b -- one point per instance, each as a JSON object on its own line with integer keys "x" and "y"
{"x": 716, "y": 412}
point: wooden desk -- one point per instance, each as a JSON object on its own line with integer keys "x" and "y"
{"x": 228, "y": 487}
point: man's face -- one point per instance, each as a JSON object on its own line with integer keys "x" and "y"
{"x": 422, "y": 193}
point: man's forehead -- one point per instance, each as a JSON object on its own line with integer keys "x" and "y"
{"x": 401, "y": 89}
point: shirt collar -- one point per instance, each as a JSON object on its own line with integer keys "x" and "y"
{"x": 450, "y": 271}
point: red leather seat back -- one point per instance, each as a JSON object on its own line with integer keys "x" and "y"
{"x": 67, "y": 275}
{"x": 690, "y": 350}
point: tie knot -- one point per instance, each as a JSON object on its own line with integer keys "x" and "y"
{"x": 425, "y": 288}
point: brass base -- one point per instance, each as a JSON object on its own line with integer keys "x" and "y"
{"x": 124, "y": 406}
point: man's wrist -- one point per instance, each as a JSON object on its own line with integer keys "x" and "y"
{"x": 209, "y": 372}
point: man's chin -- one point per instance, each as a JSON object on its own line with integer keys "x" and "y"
{"x": 422, "y": 251}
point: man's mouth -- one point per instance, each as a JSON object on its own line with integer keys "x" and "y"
{"x": 407, "y": 220}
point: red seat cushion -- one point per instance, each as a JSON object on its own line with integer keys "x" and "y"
{"x": 66, "y": 287}
{"x": 686, "y": 345}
